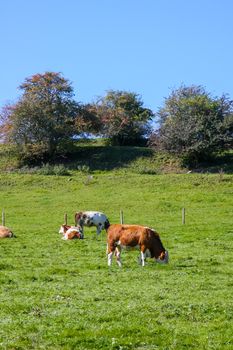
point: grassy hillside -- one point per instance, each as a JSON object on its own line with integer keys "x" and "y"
{"x": 57, "y": 294}
{"x": 94, "y": 156}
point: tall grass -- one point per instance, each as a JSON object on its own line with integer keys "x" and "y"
{"x": 59, "y": 294}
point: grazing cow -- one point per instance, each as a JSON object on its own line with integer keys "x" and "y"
{"x": 71, "y": 232}
{"x": 5, "y": 232}
{"x": 134, "y": 236}
{"x": 92, "y": 218}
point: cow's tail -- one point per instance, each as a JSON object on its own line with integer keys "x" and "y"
{"x": 106, "y": 224}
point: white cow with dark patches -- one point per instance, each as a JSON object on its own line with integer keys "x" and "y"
{"x": 92, "y": 218}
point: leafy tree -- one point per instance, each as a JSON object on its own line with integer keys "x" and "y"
{"x": 87, "y": 120}
{"x": 43, "y": 119}
{"x": 124, "y": 119}
{"x": 193, "y": 124}
{"x": 5, "y": 124}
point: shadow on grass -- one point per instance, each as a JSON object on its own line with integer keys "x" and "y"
{"x": 222, "y": 163}
{"x": 103, "y": 157}
{"x": 106, "y": 157}
{"x": 91, "y": 156}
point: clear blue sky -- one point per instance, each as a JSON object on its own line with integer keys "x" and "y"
{"x": 143, "y": 46}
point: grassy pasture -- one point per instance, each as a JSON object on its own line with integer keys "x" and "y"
{"x": 59, "y": 294}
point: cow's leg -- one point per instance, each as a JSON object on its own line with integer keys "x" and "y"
{"x": 144, "y": 254}
{"x": 99, "y": 228}
{"x": 118, "y": 256}
{"x": 143, "y": 258}
{"x": 110, "y": 252}
{"x": 110, "y": 258}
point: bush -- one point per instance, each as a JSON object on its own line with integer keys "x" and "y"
{"x": 58, "y": 170}
{"x": 124, "y": 119}
{"x": 84, "y": 169}
{"x": 46, "y": 169}
{"x": 194, "y": 125}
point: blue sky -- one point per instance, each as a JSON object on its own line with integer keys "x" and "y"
{"x": 143, "y": 46}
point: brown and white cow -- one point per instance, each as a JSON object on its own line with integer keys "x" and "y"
{"x": 92, "y": 218}
{"x": 5, "y": 232}
{"x": 135, "y": 236}
{"x": 71, "y": 232}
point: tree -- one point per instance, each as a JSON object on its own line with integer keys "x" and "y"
{"x": 193, "y": 124}
{"x": 44, "y": 117}
{"x": 124, "y": 119}
{"x": 87, "y": 120}
{"x": 5, "y": 124}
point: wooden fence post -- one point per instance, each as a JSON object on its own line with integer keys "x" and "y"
{"x": 121, "y": 217}
{"x": 3, "y": 217}
{"x": 183, "y": 216}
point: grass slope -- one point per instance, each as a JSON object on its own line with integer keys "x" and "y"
{"x": 59, "y": 294}
{"x": 95, "y": 156}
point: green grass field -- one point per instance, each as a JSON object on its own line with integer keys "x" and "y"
{"x": 59, "y": 294}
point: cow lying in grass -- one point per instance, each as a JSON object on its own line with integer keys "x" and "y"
{"x": 92, "y": 218}
{"x": 5, "y": 232}
{"x": 135, "y": 236}
{"x": 71, "y": 232}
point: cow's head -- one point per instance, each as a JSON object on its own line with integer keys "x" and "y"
{"x": 163, "y": 258}
{"x": 78, "y": 217}
{"x": 158, "y": 251}
{"x": 63, "y": 229}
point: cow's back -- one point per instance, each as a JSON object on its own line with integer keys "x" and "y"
{"x": 126, "y": 234}
{"x": 86, "y": 216}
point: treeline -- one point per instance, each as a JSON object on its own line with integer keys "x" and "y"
{"x": 46, "y": 120}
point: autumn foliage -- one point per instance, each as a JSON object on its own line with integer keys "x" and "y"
{"x": 123, "y": 118}
{"x": 44, "y": 117}
{"x": 46, "y": 120}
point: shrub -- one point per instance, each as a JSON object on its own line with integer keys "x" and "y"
{"x": 194, "y": 125}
